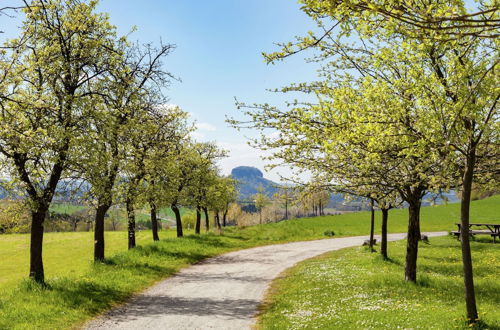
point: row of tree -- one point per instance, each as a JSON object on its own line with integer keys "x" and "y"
{"x": 78, "y": 102}
{"x": 406, "y": 103}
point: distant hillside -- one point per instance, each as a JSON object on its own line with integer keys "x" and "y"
{"x": 250, "y": 179}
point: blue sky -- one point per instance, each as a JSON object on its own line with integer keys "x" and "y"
{"x": 218, "y": 57}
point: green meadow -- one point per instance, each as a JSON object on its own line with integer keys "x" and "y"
{"x": 356, "y": 289}
{"x": 77, "y": 289}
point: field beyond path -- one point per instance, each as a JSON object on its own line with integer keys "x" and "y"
{"x": 222, "y": 292}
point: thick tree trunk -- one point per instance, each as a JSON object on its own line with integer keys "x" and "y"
{"x": 178, "y": 220}
{"x": 383, "y": 242}
{"x": 372, "y": 224}
{"x": 470, "y": 297}
{"x": 131, "y": 224}
{"x": 412, "y": 239}
{"x": 36, "y": 244}
{"x": 42, "y": 206}
{"x": 154, "y": 221}
{"x": 100, "y": 214}
{"x": 207, "y": 219}
{"x": 198, "y": 221}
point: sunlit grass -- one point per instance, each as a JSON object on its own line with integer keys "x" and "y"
{"x": 78, "y": 289}
{"x": 356, "y": 289}
{"x": 66, "y": 208}
{"x": 65, "y": 254}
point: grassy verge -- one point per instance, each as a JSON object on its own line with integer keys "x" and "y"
{"x": 356, "y": 289}
{"x": 78, "y": 290}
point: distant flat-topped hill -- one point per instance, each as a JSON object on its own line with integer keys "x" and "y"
{"x": 250, "y": 179}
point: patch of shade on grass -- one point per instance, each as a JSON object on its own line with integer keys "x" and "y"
{"x": 356, "y": 289}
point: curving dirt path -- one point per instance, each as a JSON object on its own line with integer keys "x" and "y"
{"x": 221, "y": 292}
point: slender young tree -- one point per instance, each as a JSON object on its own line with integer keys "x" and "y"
{"x": 285, "y": 197}
{"x": 261, "y": 200}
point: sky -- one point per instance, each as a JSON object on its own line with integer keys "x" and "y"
{"x": 218, "y": 57}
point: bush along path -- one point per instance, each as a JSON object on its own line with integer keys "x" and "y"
{"x": 222, "y": 292}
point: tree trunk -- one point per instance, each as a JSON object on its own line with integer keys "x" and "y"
{"x": 217, "y": 220}
{"x": 42, "y": 206}
{"x": 100, "y": 214}
{"x": 207, "y": 220}
{"x": 154, "y": 221}
{"x": 198, "y": 221}
{"x": 286, "y": 207}
{"x": 470, "y": 297}
{"x": 224, "y": 218}
{"x": 372, "y": 224}
{"x": 178, "y": 220}
{"x": 260, "y": 216}
{"x": 131, "y": 223}
{"x": 412, "y": 240}
{"x": 36, "y": 260}
{"x": 383, "y": 242}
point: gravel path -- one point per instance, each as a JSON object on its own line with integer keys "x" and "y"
{"x": 221, "y": 292}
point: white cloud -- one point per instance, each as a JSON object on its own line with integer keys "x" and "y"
{"x": 197, "y": 135}
{"x": 167, "y": 107}
{"x": 205, "y": 127}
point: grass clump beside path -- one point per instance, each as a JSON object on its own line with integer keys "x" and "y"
{"x": 78, "y": 290}
{"x": 356, "y": 289}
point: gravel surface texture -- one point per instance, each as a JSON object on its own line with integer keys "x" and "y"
{"x": 221, "y": 292}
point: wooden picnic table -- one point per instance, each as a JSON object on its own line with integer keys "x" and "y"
{"x": 492, "y": 229}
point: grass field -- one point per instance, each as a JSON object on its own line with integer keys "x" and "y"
{"x": 433, "y": 218}
{"x": 65, "y": 208}
{"x": 356, "y": 289}
{"x": 144, "y": 215}
{"x": 78, "y": 289}
{"x": 65, "y": 254}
